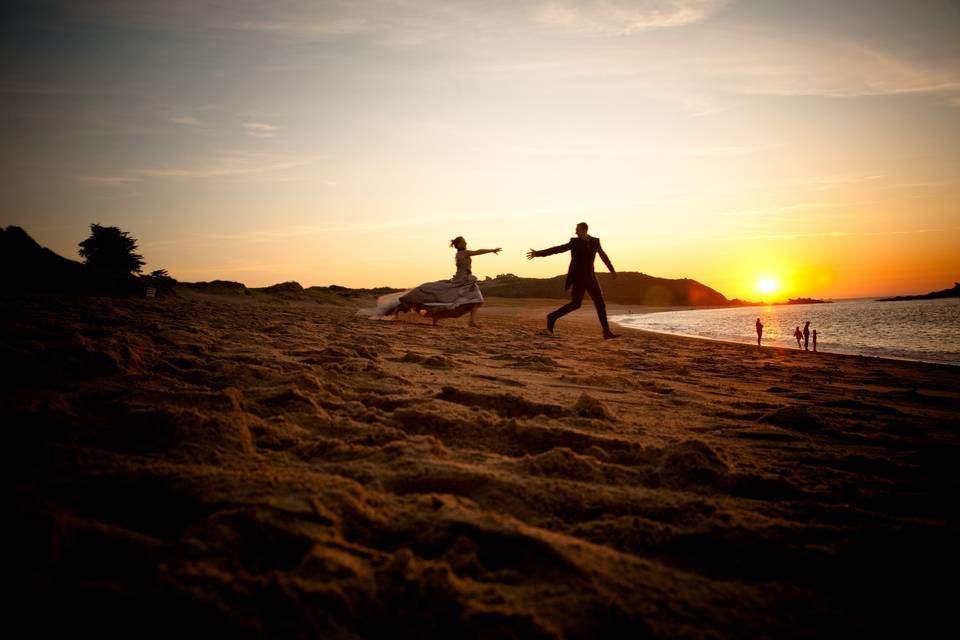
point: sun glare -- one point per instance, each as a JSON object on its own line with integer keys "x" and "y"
{"x": 767, "y": 285}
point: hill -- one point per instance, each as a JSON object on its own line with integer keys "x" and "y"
{"x": 933, "y": 295}
{"x": 27, "y": 267}
{"x": 628, "y": 288}
{"x": 287, "y": 291}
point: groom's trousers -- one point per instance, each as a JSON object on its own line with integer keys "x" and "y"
{"x": 581, "y": 286}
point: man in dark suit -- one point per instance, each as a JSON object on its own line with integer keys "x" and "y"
{"x": 580, "y": 276}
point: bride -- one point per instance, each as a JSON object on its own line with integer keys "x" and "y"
{"x": 444, "y": 298}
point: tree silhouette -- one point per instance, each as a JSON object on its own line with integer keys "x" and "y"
{"x": 112, "y": 250}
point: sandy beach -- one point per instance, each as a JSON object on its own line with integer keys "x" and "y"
{"x": 251, "y": 466}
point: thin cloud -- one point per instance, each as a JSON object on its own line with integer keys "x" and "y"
{"x": 644, "y": 153}
{"x": 920, "y": 185}
{"x": 286, "y": 233}
{"x": 109, "y": 181}
{"x": 799, "y": 206}
{"x": 261, "y": 129}
{"x": 831, "y": 68}
{"x": 229, "y": 166}
{"x": 188, "y": 121}
{"x": 832, "y": 234}
{"x": 225, "y": 169}
{"x": 621, "y": 17}
{"x": 400, "y": 22}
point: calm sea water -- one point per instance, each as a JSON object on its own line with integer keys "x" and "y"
{"x": 924, "y": 330}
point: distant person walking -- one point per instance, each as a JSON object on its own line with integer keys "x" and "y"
{"x": 580, "y": 276}
{"x": 759, "y": 331}
{"x": 806, "y": 336}
{"x": 799, "y": 336}
{"x": 814, "y": 340}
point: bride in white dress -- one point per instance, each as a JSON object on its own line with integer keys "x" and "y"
{"x": 444, "y": 298}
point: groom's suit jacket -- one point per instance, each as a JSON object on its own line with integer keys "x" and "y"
{"x": 582, "y": 255}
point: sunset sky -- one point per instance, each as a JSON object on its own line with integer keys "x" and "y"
{"x": 814, "y": 144}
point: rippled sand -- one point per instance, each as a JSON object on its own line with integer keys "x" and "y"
{"x": 254, "y": 467}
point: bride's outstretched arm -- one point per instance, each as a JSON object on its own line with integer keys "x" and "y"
{"x": 480, "y": 252}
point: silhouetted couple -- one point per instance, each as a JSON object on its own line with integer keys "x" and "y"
{"x": 581, "y": 277}
{"x": 460, "y": 295}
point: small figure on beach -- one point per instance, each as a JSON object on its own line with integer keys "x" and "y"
{"x": 799, "y": 336}
{"x": 581, "y": 277}
{"x": 806, "y": 336}
{"x": 759, "y": 331}
{"x": 814, "y": 340}
{"x": 444, "y": 298}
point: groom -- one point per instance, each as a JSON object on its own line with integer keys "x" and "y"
{"x": 583, "y": 249}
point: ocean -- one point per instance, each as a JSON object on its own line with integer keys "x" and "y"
{"x": 922, "y": 330}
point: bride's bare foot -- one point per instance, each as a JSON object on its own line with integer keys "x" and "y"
{"x": 475, "y": 324}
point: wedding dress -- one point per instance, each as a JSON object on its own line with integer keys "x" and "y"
{"x": 441, "y": 299}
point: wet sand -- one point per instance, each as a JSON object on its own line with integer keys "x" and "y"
{"x": 249, "y": 466}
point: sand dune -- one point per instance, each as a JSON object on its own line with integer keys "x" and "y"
{"x": 236, "y": 465}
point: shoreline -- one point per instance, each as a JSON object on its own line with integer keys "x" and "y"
{"x": 919, "y": 352}
{"x": 785, "y": 348}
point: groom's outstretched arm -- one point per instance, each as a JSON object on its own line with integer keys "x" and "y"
{"x": 547, "y": 252}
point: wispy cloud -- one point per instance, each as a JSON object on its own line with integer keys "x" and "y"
{"x": 225, "y": 166}
{"x": 765, "y": 211}
{"x": 624, "y": 17}
{"x": 188, "y": 121}
{"x": 732, "y": 150}
{"x": 109, "y": 181}
{"x": 402, "y": 21}
{"x": 930, "y": 184}
{"x": 824, "y": 182}
{"x": 31, "y": 88}
{"x": 831, "y": 67}
{"x": 799, "y": 206}
{"x": 832, "y": 234}
{"x": 261, "y": 129}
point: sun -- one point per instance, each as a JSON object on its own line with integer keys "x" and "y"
{"x": 768, "y": 285}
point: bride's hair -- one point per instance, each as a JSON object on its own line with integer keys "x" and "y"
{"x": 457, "y": 240}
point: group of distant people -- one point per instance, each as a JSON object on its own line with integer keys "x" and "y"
{"x": 802, "y": 336}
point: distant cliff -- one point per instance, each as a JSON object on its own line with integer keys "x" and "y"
{"x": 933, "y": 295}
{"x": 628, "y": 288}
